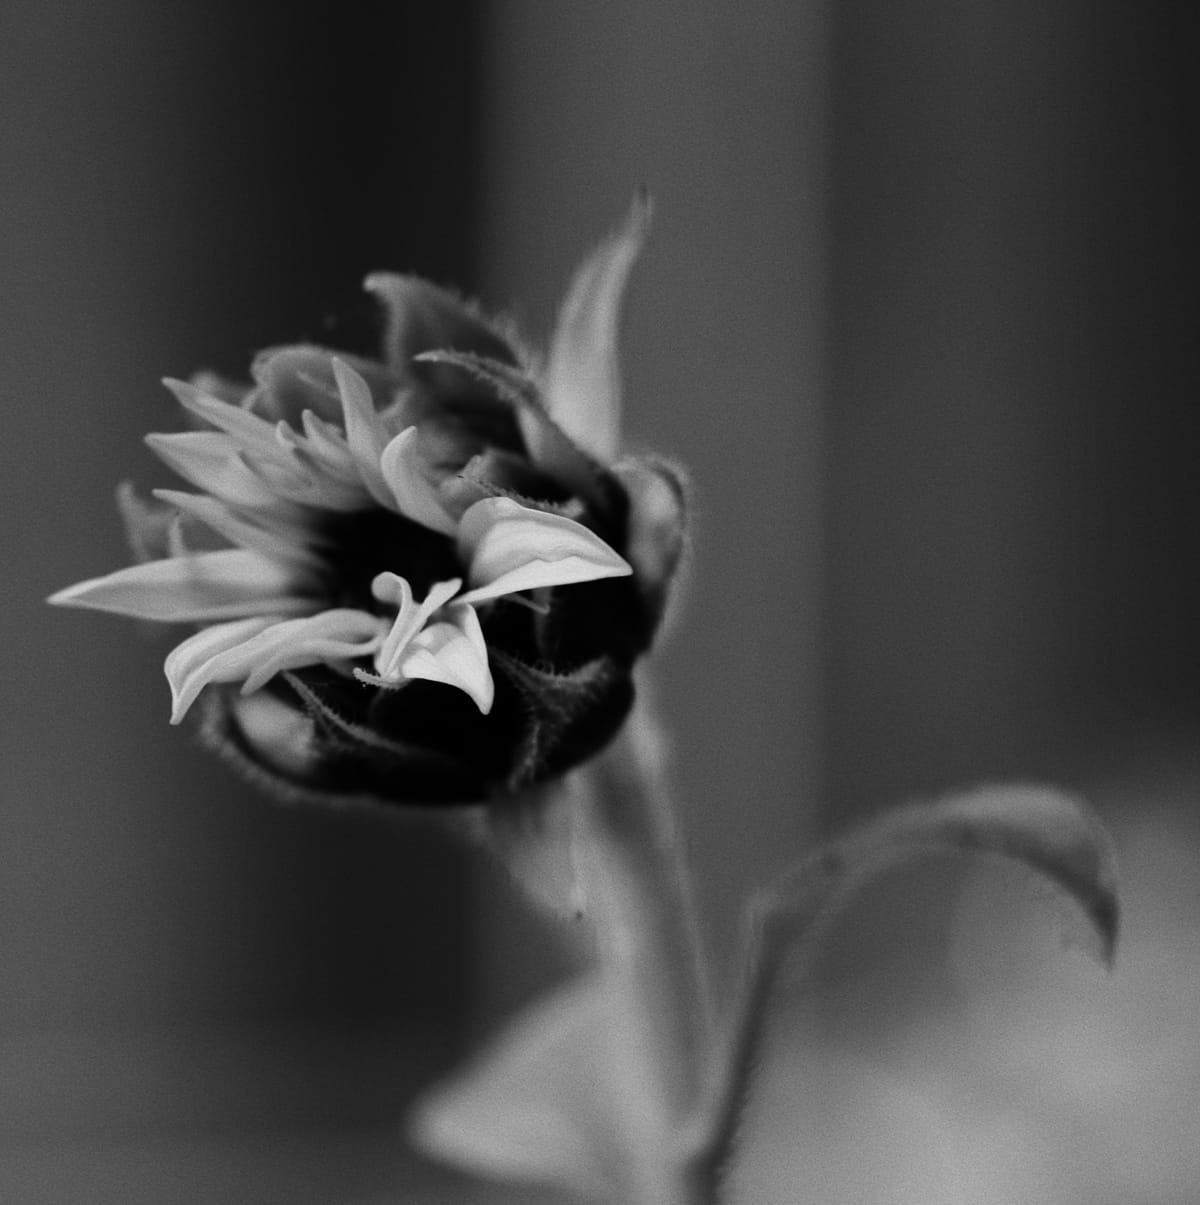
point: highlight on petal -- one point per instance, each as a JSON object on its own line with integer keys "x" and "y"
{"x": 256, "y": 650}
{"x": 415, "y": 496}
{"x": 510, "y": 547}
{"x": 341, "y": 634}
{"x": 453, "y": 651}
{"x": 366, "y": 434}
{"x": 411, "y": 618}
{"x": 186, "y": 662}
{"x": 230, "y": 584}
{"x": 582, "y": 380}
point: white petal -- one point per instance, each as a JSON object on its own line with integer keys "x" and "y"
{"x": 338, "y": 635}
{"x": 366, "y": 435}
{"x": 511, "y": 547}
{"x": 391, "y": 588}
{"x": 251, "y": 433}
{"x": 186, "y": 663}
{"x": 453, "y": 651}
{"x": 207, "y": 586}
{"x": 146, "y": 523}
{"x": 306, "y": 484}
{"x": 582, "y": 383}
{"x": 327, "y": 445}
{"x": 277, "y": 543}
{"x": 415, "y": 496}
{"x": 232, "y": 652}
{"x": 212, "y": 462}
{"x": 321, "y": 451}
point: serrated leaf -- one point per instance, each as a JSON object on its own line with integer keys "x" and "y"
{"x": 549, "y": 447}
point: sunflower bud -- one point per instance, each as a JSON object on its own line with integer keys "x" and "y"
{"x": 423, "y": 578}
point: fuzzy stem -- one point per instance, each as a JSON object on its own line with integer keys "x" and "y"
{"x": 630, "y": 861}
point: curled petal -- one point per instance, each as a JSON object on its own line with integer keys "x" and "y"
{"x": 230, "y": 584}
{"x": 582, "y": 382}
{"x": 411, "y": 618}
{"x": 233, "y": 652}
{"x": 453, "y": 651}
{"x": 415, "y": 497}
{"x": 510, "y": 547}
{"x": 186, "y": 663}
{"x": 332, "y": 636}
{"x": 366, "y": 435}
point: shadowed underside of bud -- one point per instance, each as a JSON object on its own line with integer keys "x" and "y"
{"x": 422, "y": 578}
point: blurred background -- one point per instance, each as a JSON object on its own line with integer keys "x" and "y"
{"x": 918, "y": 316}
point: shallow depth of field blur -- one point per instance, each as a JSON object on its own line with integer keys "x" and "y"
{"x": 918, "y": 313}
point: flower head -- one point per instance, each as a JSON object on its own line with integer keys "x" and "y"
{"x": 422, "y": 578}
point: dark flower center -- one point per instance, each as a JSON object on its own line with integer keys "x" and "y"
{"x": 359, "y": 545}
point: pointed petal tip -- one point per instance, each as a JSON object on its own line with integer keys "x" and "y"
{"x": 350, "y": 380}
{"x": 510, "y": 547}
{"x": 343, "y": 373}
{"x": 641, "y": 213}
{"x": 582, "y": 377}
{"x": 177, "y": 386}
{"x": 380, "y": 281}
{"x": 66, "y": 597}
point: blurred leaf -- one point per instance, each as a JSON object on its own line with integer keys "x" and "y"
{"x": 533, "y": 836}
{"x": 544, "y": 1104}
{"x": 1047, "y": 830}
{"x": 1044, "y": 829}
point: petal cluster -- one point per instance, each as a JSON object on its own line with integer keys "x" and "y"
{"x": 354, "y": 527}
{"x": 262, "y": 598}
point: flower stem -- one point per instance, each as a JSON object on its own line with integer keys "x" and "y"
{"x": 629, "y": 858}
